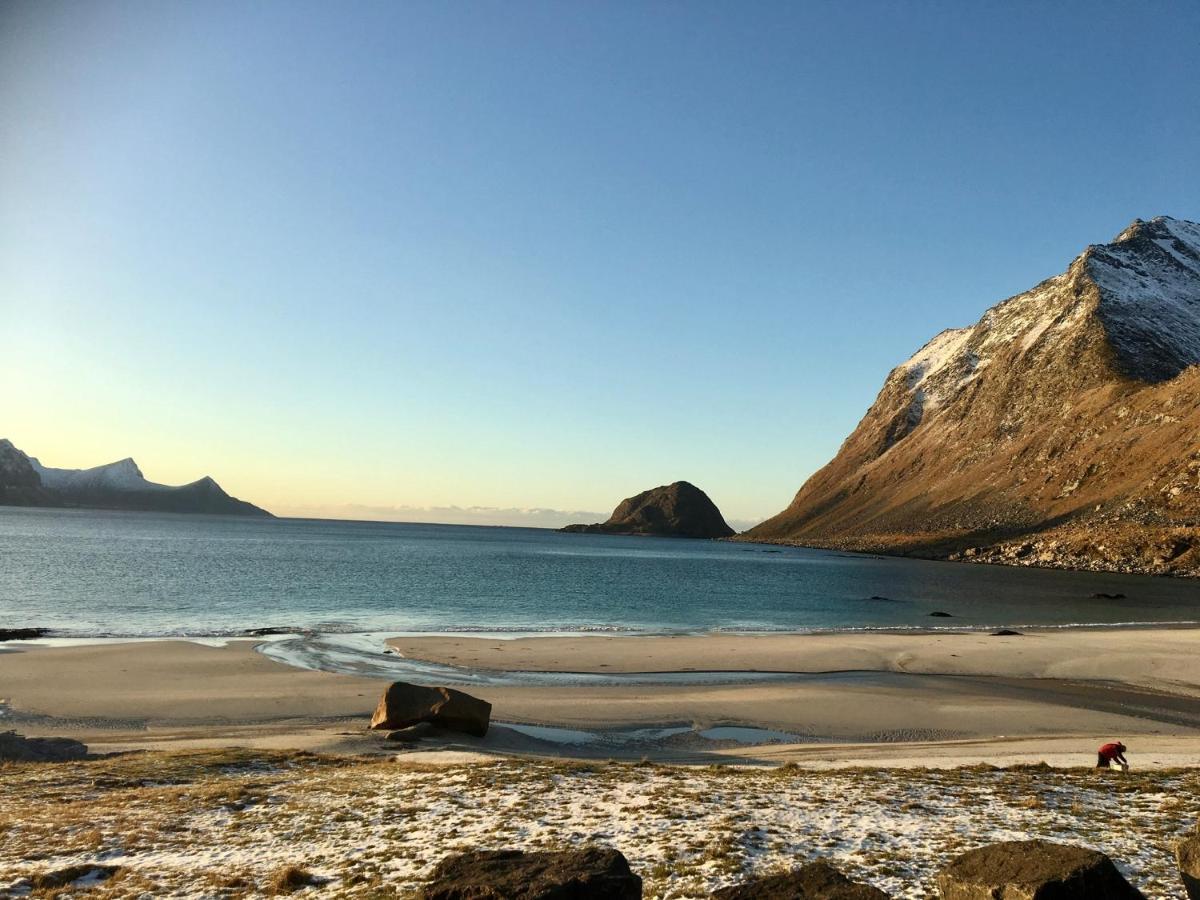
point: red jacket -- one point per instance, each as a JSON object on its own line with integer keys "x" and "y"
{"x": 1111, "y": 751}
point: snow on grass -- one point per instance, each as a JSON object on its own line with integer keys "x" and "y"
{"x": 227, "y": 824}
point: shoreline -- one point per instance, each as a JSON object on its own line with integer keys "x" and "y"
{"x": 1011, "y": 552}
{"x": 54, "y": 637}
{"x": 940, "y": 698}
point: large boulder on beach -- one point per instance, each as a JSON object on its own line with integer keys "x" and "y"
{"x": 591, "y": 873}
{"x": 1187, "y": 854}
{"x": 815, "y": 881}
{"x": 1033, "y": 870}
{"x": 404, "y": 705}
{"x": 18, "y": 748}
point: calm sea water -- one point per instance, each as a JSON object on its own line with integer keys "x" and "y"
{"x": 110, "y": 573}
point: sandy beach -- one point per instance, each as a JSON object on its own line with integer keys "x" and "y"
{"x": 870, "y": 699}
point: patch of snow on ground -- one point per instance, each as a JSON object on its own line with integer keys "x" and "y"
{"x": 686, "y": 831}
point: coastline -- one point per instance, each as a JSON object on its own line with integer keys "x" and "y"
{"x": 845, "y": 699}
{"x": 1030, "y": 550}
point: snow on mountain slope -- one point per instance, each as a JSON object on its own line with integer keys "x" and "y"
{"x": 1147, "y": 287}
{"x": 123, "y": 475}
{"x": 1073, "y": 400}
{"x": 1149, "y": 281}
{"x": 24, "y": 481}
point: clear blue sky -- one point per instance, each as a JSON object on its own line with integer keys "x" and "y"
{"x": 356, "y": 256}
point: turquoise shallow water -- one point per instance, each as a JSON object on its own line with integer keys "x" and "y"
{"x": 109, "y": 573}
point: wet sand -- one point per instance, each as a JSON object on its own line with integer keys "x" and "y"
{"x": 942, "y": 699}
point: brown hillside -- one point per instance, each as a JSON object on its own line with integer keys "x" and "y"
{"x": 1062, "y": 429}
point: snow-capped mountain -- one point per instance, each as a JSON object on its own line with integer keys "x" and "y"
{"x": 120, "y": 485}
{"x": 123, "y": 475}
{"x": 1060, "y": 429}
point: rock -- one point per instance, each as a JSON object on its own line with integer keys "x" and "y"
{"x": 1033, "y": 870}
{"x": 410, "y": 735}
{"x": 592, "y": 873}
{"x": 1005, "y": 632}
{"x": 404, "y": 705}
{"x": 815, "y": 881}
{"x": 18, "y": 748}
{"x": 673, "y": 510}
{"x": 1100, "y": 595}
{"x": 1187, "y": 855}
{"x": 22, "y": 634}
{"x": 938, "y": 614}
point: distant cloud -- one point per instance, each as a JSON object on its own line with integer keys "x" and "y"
{"x": 538, "y": 517}
{"x": 446, "y": 515}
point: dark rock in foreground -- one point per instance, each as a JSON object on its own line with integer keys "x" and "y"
{"x": 815, "y": 881}
{"x": 1187, "y": 854}
{"x": 22, "y": 634}
{"x": 593, "y": 873}
{"x": 404, "y": 705}
{"x": 18, "y": 748}
{"x": 1033, "y": 870}
{"x": 673, "y": 510}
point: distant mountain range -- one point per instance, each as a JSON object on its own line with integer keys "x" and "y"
{"x": 24, "y": 481}
{"x": 1062, "y": 429}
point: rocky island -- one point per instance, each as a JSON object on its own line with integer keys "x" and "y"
{"x": 672, "y": 510}
{"x": 1058, "y": 431}
{"x": 24, "y": 481}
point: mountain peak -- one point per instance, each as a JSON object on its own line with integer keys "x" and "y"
{"x": 1148, "y": 281}
{"x": 116, "y": 485}
{"x": 996, "y": 428}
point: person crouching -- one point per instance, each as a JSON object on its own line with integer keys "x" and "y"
{"x": 1112, "y": 753}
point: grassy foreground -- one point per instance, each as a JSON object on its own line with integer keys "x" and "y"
{"x": 240, "y": 823}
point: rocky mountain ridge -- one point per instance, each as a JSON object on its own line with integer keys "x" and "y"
{"x": 24, "y": 481}
{"x": 1062, "y": 429}
{"x": 671, "y": 510}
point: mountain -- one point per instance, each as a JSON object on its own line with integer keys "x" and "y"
{"x": 1059, "y": 430}
{"x": 24, "y": 481}
{"x": 673, "y": 510}
{"x": 20, "y": 484}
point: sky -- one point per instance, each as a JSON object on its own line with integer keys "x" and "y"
{"x": 511, "y": 261}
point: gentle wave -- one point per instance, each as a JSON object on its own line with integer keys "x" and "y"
{"x": 569, "y": 630}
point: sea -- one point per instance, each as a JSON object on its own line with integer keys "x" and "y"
{"x": 92, "y": 574}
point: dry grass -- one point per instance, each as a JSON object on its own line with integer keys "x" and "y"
{"x": 249, "y": 824}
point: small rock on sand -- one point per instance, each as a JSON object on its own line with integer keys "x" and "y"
{"x": 22, "y": 634}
